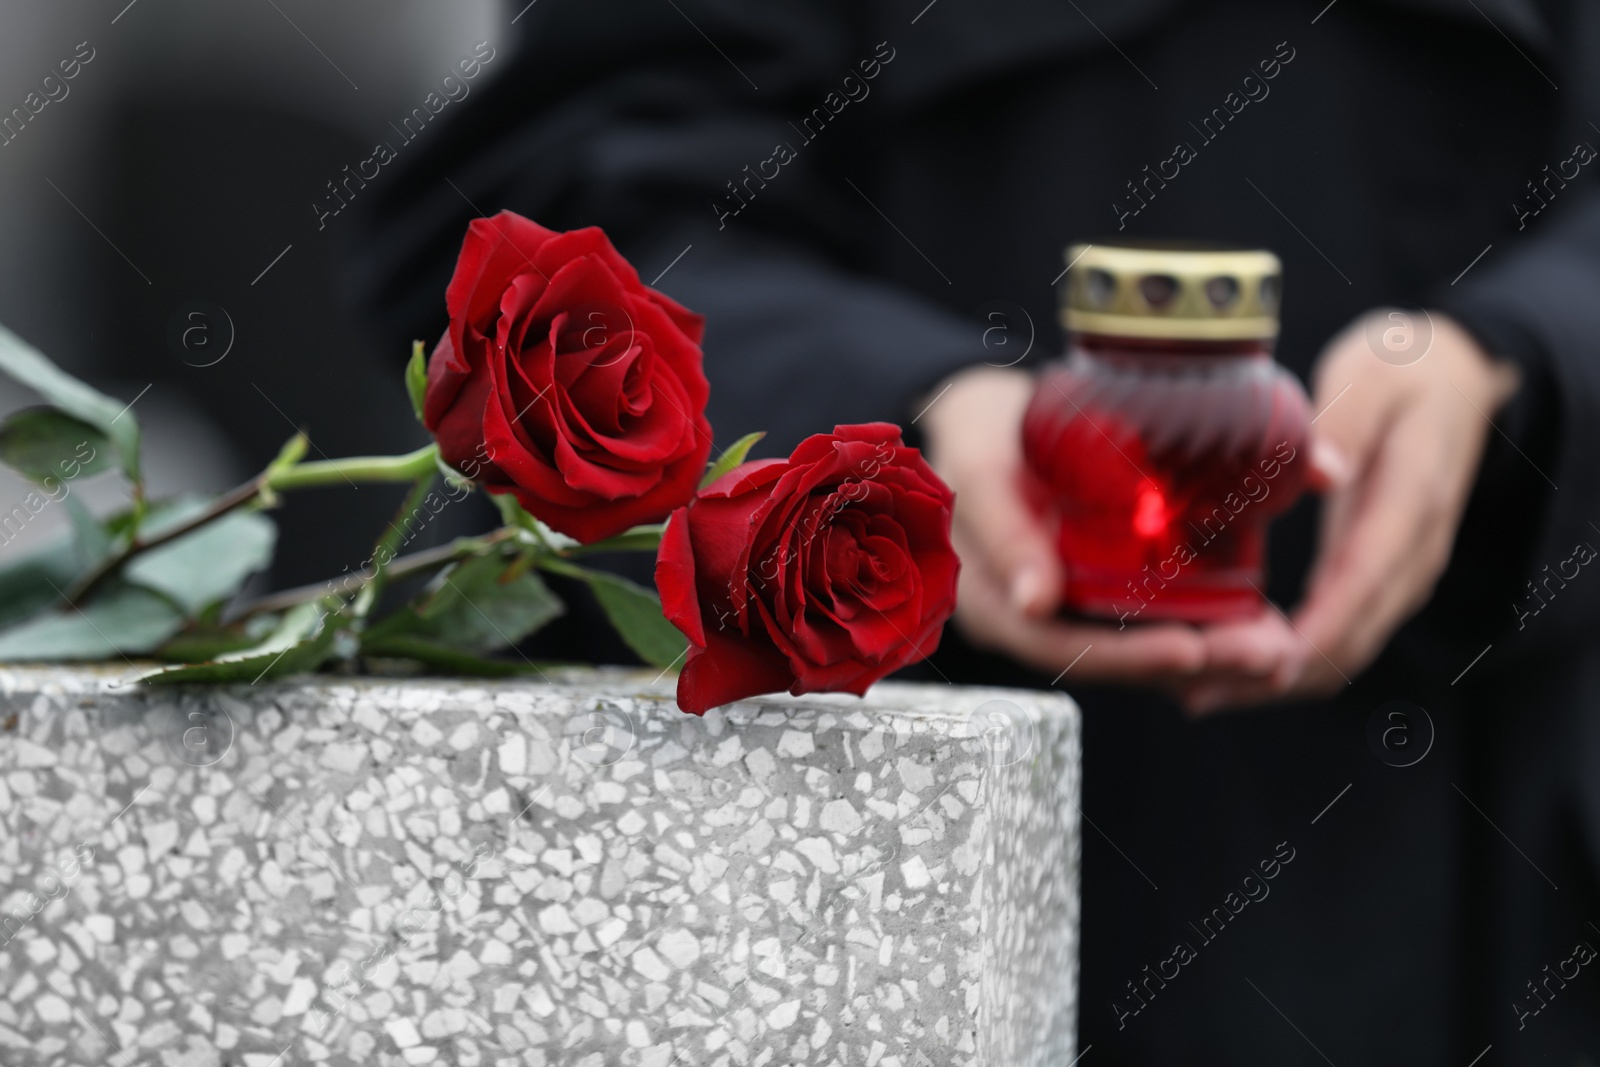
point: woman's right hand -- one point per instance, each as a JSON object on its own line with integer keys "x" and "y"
{"x": 1011, "y": 577}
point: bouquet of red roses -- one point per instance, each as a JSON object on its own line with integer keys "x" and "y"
{"x": 575, "y": 396}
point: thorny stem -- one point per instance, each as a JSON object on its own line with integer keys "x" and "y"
{"x": 284, "y": 472}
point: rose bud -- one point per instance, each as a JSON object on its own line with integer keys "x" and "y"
{"x": 825, "y": 571}
{"x": 566, "y": 381}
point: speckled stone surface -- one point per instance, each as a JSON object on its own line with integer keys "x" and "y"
{"x": 574, "y": 873}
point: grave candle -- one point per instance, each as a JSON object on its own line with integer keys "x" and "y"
{"x": 1162, "y": 443}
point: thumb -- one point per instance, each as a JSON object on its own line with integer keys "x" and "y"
{"x": 1012, "y": 540}
{"x": 1330, "y": 469}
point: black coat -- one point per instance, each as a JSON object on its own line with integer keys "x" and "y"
{"x": 1384, "y": 150}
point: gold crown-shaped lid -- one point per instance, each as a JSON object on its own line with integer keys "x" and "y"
{"x": 1172, "y": 290}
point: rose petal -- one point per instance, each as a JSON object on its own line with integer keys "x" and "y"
{"x": 728, "y": 669}
{"x": 675, "y": 570}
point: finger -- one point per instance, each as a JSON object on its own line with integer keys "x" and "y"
{"x": 1208, "y": 697}
{"x": 1385, "y": 560}
{"x": 1255, "y": 647}
{"x": 1422, "y": 471}
{"x": 1352, "y": 404}
{"x": 974, "y": 442}
{"x": 1091, "y": 651}
{"x": 1140, "y": 655}
{"x": 1247, "y": 661}
{"x": 1330, "y": 469}
{"x": 1002, "y": 529}
{"x": 1339, "y": 507}
{"x": 1353, "y": 408}
{"x": 1433, "y": 478}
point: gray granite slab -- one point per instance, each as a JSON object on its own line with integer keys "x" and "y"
{"x": 350, "y": 870}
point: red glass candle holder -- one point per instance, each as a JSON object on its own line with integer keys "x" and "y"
{"x": 1160, "y": 459}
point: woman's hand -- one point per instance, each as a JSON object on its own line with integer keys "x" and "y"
{"x": 1010, "y": 573}
{"x": 1412, "y": 437}
{"x": 1396, "y": 449}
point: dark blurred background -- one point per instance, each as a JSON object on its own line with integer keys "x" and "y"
{"x": 160, "y": 239}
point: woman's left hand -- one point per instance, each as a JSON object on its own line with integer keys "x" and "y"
{"x": 1409, "y": 438}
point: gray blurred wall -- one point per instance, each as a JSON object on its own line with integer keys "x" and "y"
{"x": 236, "y": 108}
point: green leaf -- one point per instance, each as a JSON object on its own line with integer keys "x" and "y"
{"x": 89, "y": 536}
{"x": 303, "y": 641}
{"x": 208, "y": 641}
{"x": 46, "y": 442}
{"x": 297, "y": 624}
{"x": 17, "y": 515}
{"x": 636, "y": 613}
{"x": 29, "y": 366}
{"x": 208, "y": 565}
{"x": 732, "y": 457}
{"x": 636, "y": 539}
{"x": 445, "y": 659}
{"x": 634, "y": 610}
{"x": 389, "y": 542}
{"x": 127, "y": 621}
{"x": 478, "y": 605}
{"x": 292, "y": 452}
{"x": 452, "y": 477}
{"x": 511, "y": 512}
{"x": 36, "y": 580}
{"x": 533, "y": 530}
{"x": 417, "y": 378}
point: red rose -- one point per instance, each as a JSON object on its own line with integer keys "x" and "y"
{"x": 821, "y": 572}
{"x": 566, "y": 381}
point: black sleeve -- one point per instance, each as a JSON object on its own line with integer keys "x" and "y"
{"x": 1538, "y": 306}
{"x": 657, "y": 120}
{"x": 1535, "y": 302}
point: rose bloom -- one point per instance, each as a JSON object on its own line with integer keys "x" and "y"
{"x": 581, "y": 385}
{"x": 825, "y": 571}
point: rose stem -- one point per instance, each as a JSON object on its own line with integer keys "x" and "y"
{"x": 636, "y": 539}
{"x": 416, "y": 562}
{"x": 406, "y": 468}
{"x": 383, "y": 552}
{"x": 284, "y": 472}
